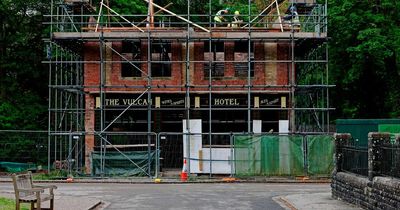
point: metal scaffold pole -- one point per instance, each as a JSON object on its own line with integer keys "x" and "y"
{"x": 249, "y": 83}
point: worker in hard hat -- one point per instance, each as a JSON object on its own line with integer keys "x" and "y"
{"x": 236, "y": 20}
{"x": 292, "y": 17}
{"x": 219, "y": 16}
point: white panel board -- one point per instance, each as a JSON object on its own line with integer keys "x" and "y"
{"x": 284, "y": 126}
{"x": 284, "y": 152}
{"x": 222, "y": 163}
{"x": 192, "y": 144}
{"x": 257, "y": 126}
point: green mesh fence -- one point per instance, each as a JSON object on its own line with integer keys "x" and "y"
{"x": 320, "y": 150}
{"x": 269, "y": 155}
{"x": 116, "y": 164}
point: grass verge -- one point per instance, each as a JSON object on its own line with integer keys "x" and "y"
{"x": 9, "y": 204}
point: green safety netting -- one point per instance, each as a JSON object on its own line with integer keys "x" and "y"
{"x": 320, "y": 151}
{"x": 13, "y": 167}
{"x": 134, "y": 163}
{"x": 269, "y": 155}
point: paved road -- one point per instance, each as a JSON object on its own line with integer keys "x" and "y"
{"x": 185, "y": 196}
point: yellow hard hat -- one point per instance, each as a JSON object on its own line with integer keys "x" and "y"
{"x": 237, "y": 12}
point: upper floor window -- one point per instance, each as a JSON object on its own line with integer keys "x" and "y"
{"x": 131, "y": 66}
{"x": 242, "y": 59}
{"x": 214, "y": 53}
{"x": 161, "y": 59}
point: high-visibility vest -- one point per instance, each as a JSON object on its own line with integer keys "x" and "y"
{"x": 217, "y": 19}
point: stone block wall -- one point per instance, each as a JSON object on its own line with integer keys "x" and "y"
{"x": 372, "y": 192}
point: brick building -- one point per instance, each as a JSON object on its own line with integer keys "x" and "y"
{"x": 196, "y": 79}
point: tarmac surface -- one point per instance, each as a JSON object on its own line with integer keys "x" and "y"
{"x": 147, "y": 195}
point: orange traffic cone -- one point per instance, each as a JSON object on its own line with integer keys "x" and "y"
{"x": 70, "y": 179}
{"x": 184, "y": 173}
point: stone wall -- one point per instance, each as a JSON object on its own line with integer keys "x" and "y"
{"x": 372, "y": 192}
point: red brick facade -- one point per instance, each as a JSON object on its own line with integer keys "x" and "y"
{"x": 113, "y": 70}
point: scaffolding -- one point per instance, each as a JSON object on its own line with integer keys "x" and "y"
{"x": 81, "y": 112}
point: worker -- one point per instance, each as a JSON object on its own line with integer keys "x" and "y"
{"x": 236, "y": 20}
{"x": 293, "y": 17}
{"x": 219, "y": 16}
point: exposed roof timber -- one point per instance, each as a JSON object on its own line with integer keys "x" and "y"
{"x": 113, "y": 11}
{"x": 182, "y": 18}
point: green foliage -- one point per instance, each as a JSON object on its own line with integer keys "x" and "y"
{"x": 25, "y": 111}
{"x": 22, "y": 96}
{"x": 21, "y": 147}
{"x": 54, "y": 174}
{"x": 129, "y": 7}
{"x": 364, "y": 58}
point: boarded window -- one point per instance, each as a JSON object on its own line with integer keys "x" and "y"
{"x": 241, "y": 56}
{"x": 214, "y": 57}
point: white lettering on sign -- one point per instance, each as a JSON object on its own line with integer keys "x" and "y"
{"x": 135, "y": 102}
{"x": 178, "y": 102}
{"x": 226, "y": 102}
{"x": 167, "y": 101}
{"x": 268, "y": 102}
{"x": 112, "y": 102}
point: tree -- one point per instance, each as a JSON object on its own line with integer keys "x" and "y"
{"x": 364, "y": 58}
{"x": 22, "y": 96}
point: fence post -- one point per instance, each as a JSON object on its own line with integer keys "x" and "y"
{"x": 232, "y": 160}
{"x": 375, "y": 141}
{"x": 340, "y": 140}
{"x": 396, "y": 156}
{"x": 305, "y": 154}
{"x": 157, "y": 155}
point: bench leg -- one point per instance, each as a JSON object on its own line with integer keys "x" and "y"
{"x": 32, "y": 206}
{"x": 17, "y": 204}
{"x": 52, "y": 204}
{"x": 38, "y": 205}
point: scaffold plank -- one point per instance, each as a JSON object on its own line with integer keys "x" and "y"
{"x": 184, "y": 35}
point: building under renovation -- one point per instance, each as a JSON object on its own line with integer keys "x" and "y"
{"x": 134, "y": 84}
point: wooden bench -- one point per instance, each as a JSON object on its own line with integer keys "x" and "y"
{"x": 27, "y": 192}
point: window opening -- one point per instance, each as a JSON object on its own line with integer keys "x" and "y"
{"x": 131, "y": 51}
{"x": 161, "y": 59}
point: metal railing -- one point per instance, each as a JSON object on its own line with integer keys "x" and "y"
{"x": 391, "y": 158}
{"x": 24, "y": 146}
{"x": 355, "y": 157}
